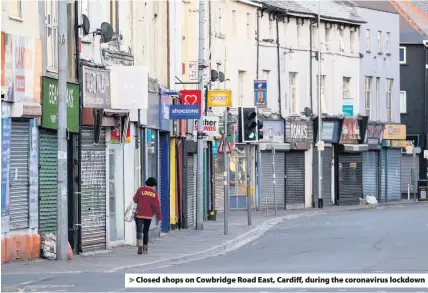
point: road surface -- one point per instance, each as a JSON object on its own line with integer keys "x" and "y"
{"x": 384, "y": 240}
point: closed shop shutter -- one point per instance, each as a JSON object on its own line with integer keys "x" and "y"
{"x": 370, "y": 173}
{"x": 327, "y": 158}
{"x": 295, "y": 179}
{"x": 19, "y": 181}
{"x": 350, "y": 178}
{"x": 191, "y": 191}
{"x": 93, "y": 198}
{"x": 266, "y": 177}
{"x": 406, "y": 171}
{"x": 383, "y": 175}
{"x": 48, "y": 187}
{"x": 393, "y": 174}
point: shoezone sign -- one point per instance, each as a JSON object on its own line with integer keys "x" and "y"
{"x": 211, "y": 127}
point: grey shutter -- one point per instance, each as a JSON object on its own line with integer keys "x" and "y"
{"x": 327, "y": 157}
{"x": 370, "y": 173}
{"x": 48, "y": 187}
{"x": 406, "y": 171}
{"x": 266, "y": 179}
{"x": 393, "y": 174}
{"x": 19, "y": 181}
{"x": 382, "y": 174}
{"x": 350, "y": 178}
{"x": 295, "y": 179}
{"x": 93, "y": 198}
{"x": 218, "y": 182}
{"x": 191, "y": 191}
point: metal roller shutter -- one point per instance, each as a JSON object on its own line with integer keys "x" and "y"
{"x": 93, "y": 198}
{"x": 370, "y": 173}
{"x": 48, "y": 186}
{"x": 19, "y": 181}
{"x": 350, "y": 178}
{"x": 393, "y": 174}
{"x": 327, "y": 157}
{"x": 382, "y": 175}
{"x": 191, "y": 191}
{"x": 266, "y": 177}
{"x": 295, "y": 179}
{"x": 159, "y": 187}
{"x": 406, "y": 171}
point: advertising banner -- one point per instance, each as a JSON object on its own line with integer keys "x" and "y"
{"x": 219, "y": 98}
{"x": 260, "y": 93}
{"x": 211, "y": 126}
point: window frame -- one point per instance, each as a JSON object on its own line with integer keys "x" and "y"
{"x": 348, "y": 79}
{"x": 323, "y": 85}
{"x": 51, "y": 23}
{"x": 404, "y": 55}
{"x": 379, "y": 42}
{"x": 367, "y": 95}
{"x": 241, "y": 82}
{"x": 18, "y": 7}
{"x": 388, "y": 43}
{"x": 368, "y": 40}
{"x": 388, "y": 93}
{"x": 377, "y": 97}
{"x": 292, "y": 76}
{"x": 403, "y": 104}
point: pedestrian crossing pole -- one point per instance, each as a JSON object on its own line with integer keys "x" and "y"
{"x": 62, "y": 208}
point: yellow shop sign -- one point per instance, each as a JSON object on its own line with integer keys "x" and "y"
{"x": 219, "y": 98}
{"x": 394, "y": 131}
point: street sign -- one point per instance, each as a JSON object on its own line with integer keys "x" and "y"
{"x": 185, "y": 112}
{"x": 191, "y": 97}
{"x": 348, "y": 110}
{"x": 220, "y": 146}
{"x": 260, "y": 93}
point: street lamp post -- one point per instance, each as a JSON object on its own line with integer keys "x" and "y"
{"x": 320, "y": 162}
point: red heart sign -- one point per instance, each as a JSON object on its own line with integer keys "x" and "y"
{"x": 190, "y": 97}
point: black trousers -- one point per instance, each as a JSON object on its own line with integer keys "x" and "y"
{"x": 143, "y": 226}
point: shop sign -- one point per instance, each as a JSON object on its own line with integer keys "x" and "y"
{"x": 165, "y": 103}
{"x": 394, "y": 131}
{"x": 50, "y": 105}
{"x": 374, "y": 134}
{"x": 260, "y": 93}
{"x": 21, "y": 62}
{"x": 191, "y": 97}
{"x": 298, "y": 131}
{"x": 329, "y": 131}
{"x": 350, "y": 131}
{"x": 389, "y": 143}
{"x": 211, "y": 126}
{"x": 96, "y": 88}
{"x": 219, "y": 98}
{"x": 273, "y": 131}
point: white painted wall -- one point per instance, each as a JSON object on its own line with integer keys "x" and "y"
{"x": 28, "y": 25}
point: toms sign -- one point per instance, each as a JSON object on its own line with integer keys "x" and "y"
{"x": 298, "y": 131}
{"x": 210, "y": 126}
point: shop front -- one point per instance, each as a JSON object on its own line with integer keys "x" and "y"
{"x": 410, "y": 166}
{"x": 94, "y": 159}
{"x": 394, "y": 139}
{"x": 371, "y": 160}
{"x": 330, "y": 134}
{"x": 298, "y": 175}
{"x": 350, "y": 162}
{"x": 271, "y": 166}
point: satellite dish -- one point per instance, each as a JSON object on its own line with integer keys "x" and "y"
{"x": 221, "y": 76}
{"x": 106, "y": 32}
{"x": 86, "y": 25}
{"x": 214, "y": 75}
{"x": 307, "y": 112}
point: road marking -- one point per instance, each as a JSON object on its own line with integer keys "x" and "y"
{"x": 47, "y": 286}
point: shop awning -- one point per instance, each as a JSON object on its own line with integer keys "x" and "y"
{"x": 355, "y": 147}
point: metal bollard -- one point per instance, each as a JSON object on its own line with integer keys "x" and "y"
{"x": 267, "y": 207}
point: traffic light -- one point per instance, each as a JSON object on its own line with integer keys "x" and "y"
{"x": 248, "y": 125}
{"x": 259, "y": 130}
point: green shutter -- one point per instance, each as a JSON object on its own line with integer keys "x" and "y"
{"x": 48, "y": 182}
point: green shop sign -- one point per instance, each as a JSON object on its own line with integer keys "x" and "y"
{"x": 50, "y": 105}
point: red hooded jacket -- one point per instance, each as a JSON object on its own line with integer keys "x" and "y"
{"x": 147, "y": 201}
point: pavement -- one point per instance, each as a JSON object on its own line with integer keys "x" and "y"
{"x": 388, "y": 238}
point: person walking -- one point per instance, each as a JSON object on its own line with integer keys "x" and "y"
{"x": 147, "y": 200}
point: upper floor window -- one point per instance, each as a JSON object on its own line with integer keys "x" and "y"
{"x": 403, "y": 57}
{"x": 292, "y": 82}
{"x": 389, "y": 82}
{"x": 403, "y": 102}
{"x": 270, "y": 29}
{"x": 352, "y": 41}
{"x": 378, "y": 97}
{"x": 249, "y": 34}
{"x": 241, "y": 82}
{"x": 51, "y": 23}
{"x": 346, "y": 88}
{"x": 367, "y": 91}
{"x": 379, "y": 42}
{"x": 16, "y": 8}
{"x": 300, "y": 31}
{"x": 368, "y": 40}
{"x": 388, "y": 43}
{"x": 341, "y": 41}
{"x": 234, "y": 22}
{"x": 323, "y": 106}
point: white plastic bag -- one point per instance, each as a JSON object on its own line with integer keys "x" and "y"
{"x": 371, "y": 199}
{"x": 130, "y": 212}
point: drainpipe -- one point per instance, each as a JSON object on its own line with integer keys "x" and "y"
{"x": 310, "y": 63}
{"x": 279, "y": 66}
{"x": 426, "y": 104}
{"x": 258, "y": 42}
{"x": 168, "y": 50}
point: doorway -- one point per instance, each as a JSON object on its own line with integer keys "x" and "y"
{"x": 116, "y": 195}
